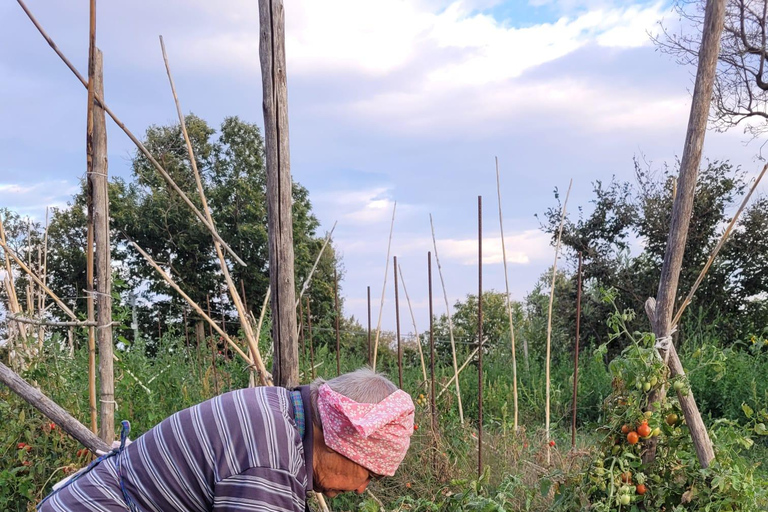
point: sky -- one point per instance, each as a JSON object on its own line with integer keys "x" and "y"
{"x": 390, "y": 102}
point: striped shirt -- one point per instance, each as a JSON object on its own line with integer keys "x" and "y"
{"x": 240, "y": 451}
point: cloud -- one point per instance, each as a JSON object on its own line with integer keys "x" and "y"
{"x": 31, "y": 199}
{"x": 522, "y": 248}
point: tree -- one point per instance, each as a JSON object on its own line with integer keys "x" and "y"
{"x": 624, "y": 237}
{"x": 741, "y": 85}
{"x": 231, "y": 163}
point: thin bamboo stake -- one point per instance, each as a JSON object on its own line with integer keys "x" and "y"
{"x": 244, "y": 322}
{"x": 213, "y": 348}
{"x": 549, "y": 317}
{"x": 397, "y": 323}
{"x": 719, "y": 246}
{"x": 383, "y": 289}
{"x": 130, "y": 135}
{"x": 314, "y": 266}
{"x": 41, "y": 308}
{"x": 509, "y": 299}
{"x": 13, "y": 299}
{"x": 33, "y": 276}
{"x": 30, "y": 288}
{"x": 311, "y": 343}
{"x": 450, "y": 322}
{"x": 191, "y": 302}
{"x": 461, "y": 369}
{"x": 576, "y": 357}
{"x": 336, "y": 323}
{"x": 415, "y": 329}
{"x": 34, "y": 321}
{"x": 480, "y": 336}
{"x": 258, "y": 327}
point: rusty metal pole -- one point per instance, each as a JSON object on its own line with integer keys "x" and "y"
{"x": 397, "y": 323}
{"x": 480, "y": 336}
{"x": 370, "y": 347}
{"x": 576, "y": 355}
{"x": 338, "y": 343}
{"x": 431, "y": 349}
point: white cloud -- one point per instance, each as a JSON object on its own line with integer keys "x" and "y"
{"x": 522, "y": 248}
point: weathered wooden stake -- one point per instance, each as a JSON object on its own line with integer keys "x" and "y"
{"x": 678, "y": 230}
{"x": 213, "y": 347}
{"x": 576, "y": 356}
{"x": 51, "y": 410}
{"x": 102, "y": 257}
{"x": 279, "y": 192}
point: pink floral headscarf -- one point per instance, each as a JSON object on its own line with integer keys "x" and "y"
{"x": 376, "y": 436}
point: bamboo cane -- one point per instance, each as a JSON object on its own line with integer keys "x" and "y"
{"x": 415, "y": 329}
{"x": 191, "y": 302}
{"x": 244, "y": 323}
{"x": 719, "y": 246}
{"x": 450, "y": 322}
{"x": 549, "y": 317}
{"x": 130, "y": 135}
{"x": 383, "y": 290}
{"x": 509, "y": 300}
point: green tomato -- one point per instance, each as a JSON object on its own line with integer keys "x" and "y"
{"x": 647, "y": 387}
{"x": 678, "y": 385}
{"x": 624, "y": 499}
{"x": 654, "y": 380}
{"x": 639, "y": 385}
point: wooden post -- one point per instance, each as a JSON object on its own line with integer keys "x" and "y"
{"x": 90, "y": 158}
{"x": 576, "y": 356}
{"x": 480, "y": 336}
{"x": 102, "y": 257}
{"x": 213, "y": 347}
{"x": 678, "y": 229}
{"x": 279, "y": 187}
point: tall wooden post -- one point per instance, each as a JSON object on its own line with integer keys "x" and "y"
{"x": 661, "y": 317}
{"x": 279, "y": 187}
{"x": 102, "y": 258}
{"x": 479, "y": 336}
{"x": 336, "y": 320}
{"x": 370, "y": 347}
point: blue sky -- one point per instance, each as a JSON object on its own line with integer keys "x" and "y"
{"x": 389, "y": 100}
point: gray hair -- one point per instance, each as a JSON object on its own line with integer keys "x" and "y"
{"x": 363, "y": 386}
